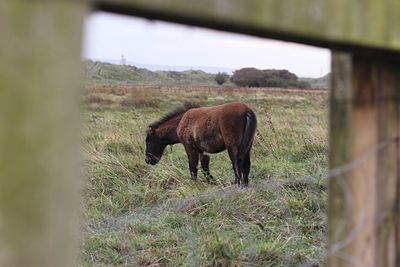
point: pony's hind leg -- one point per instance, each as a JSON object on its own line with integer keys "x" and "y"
{"x": 237, "y": 164}
{"x": 205, "y": 162}
{"x": 246, "y": 169}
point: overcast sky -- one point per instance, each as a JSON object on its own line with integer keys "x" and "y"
{"x": 108, "y": 36}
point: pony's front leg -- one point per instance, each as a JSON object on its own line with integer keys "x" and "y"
{"x": 205, "y": 162}
{"x": 193, "y": 157}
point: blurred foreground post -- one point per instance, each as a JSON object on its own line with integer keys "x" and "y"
{"x": 39, "y": 131}
{"x": 364, "y": 131}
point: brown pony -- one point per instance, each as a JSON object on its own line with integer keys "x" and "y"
{"x": 201, "y": 130}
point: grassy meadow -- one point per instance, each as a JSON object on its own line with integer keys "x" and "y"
{"x": 134, "y": 214}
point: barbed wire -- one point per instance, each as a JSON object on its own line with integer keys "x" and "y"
{"x": 362, "y": 221}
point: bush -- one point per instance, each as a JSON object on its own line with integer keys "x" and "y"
{"x": 221, "y": 77}
{"x": 252, "y": 77}
{"x": 247, "y": 77}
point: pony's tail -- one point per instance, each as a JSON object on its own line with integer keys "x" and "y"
{"x": 249, "y": 132}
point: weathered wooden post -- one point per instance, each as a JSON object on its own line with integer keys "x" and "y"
{"x": 39, "y": 131}
{"x": 364, "y": 131}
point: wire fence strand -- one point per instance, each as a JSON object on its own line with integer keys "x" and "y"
{"x": 363, "y": 222}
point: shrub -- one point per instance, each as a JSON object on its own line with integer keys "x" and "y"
{"x": 247, "y": 77}
{"x": 252, "y": 77}
{"x": 221, "y": 78}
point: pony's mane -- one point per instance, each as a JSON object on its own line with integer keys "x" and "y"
{"x": 177, "y": 111}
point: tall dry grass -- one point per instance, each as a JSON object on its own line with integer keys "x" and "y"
{"x": 140, "y": 215}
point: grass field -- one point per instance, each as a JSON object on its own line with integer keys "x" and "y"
{"x": 135, "y": 214}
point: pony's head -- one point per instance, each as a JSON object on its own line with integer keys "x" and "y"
{"x": 163, "y": 132}
{"x": 155, "y": 146}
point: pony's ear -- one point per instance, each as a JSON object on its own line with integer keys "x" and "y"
{"x": 152, "y": 131}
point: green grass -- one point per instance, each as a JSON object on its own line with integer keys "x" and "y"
{"x": 137, "y": 215}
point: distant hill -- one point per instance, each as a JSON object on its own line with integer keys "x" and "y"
{"x": 159, "y": 67}
{"x": 97, "y": 72}
{"x": 107, "y": 73}
{"x": 318, "y": 83}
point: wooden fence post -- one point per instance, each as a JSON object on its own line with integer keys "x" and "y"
{"x": 364, "y": 130}
{"x": 39, "y": 131}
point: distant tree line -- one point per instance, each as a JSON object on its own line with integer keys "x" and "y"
{"x": 252, "y": 77}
